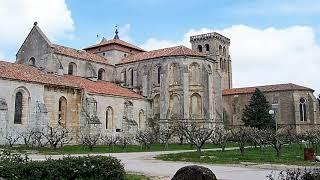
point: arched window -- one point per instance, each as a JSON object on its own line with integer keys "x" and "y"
{"x": 130, "y": 78}
{"x": 141, "y": 119}
{"x": 207, "y": 47}
{"x": 158, "y": 74}
{"x": 303, "y": 109}
{"x": 156, "y": 104}
{"x": 101, "y": 74}
{"x": 220, "y": 50}
{"x": 221, "y": 64}
{"x": 62, "y": 112}
{"x": 109, "y": 118}
{"x": 174, "y": 105}
{"x": 224, "y": 51}
{"x": 128, "y": 110}
{"x": 32, "y": 61}
{"x": 194, "y": 73}
{"x": 199, "y": 48}
{"x": 18, "y": 108}
{"x": 195, "y": 105}
{"x": 174, "y": 74}
{"x": 72, "y": 69}
{"x": 225, "y": 64}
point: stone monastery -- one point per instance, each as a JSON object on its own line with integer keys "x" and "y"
{"x": 118, "y": 86}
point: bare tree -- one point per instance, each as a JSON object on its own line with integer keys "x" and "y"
{"x": 278, "y": 139}
{"x": 221, "y": 136}
{"x": 38, "y": 137}
{"x": 57, "y": 136}
{"x": 27, "y": 137}
{"x": 144, "y": 138}
{"x": 165, "y": 135}
{"x": 11, "y": 136}
{"x": 196, "y": 133}
{"x": 110, "y": 139}
{"x": 125, "y": 140}
{"x": 242, "y": 136}
{"x": 90, "y": 136}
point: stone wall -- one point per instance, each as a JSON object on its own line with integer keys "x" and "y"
{"x": 175, "y": 87}
{"x": 287, "y": 111}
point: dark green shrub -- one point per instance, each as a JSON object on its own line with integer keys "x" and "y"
{"x": 88, "y": 167}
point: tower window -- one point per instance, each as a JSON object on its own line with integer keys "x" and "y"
{"x": 18, "y": 109}
{"x": 207, "y": 47}
{"x": 32, "y": 61}
{"x": 72, "y": 69}
{"x": 303, "y": 109}
{"x": 199, "y": 48}
{"x": 101, "y": 74}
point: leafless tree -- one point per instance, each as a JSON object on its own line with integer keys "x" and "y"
{"x": 196, "y": 133}
{"x": 110, "y": 139}
{"x": 125, "y": 140}
{"x": 278, "y": 139}
{"x": 242, "y": 136}
{"x": 27, "y": 136}
{"x": 165, "y": 135}
{"x": 11, "y": 136}
{"x": 221, "y": 136}
{"x": 57, "y": 135}
{"x": 90, "y": 136}
{"x": 38, "y": 137}
{"x": 144, "y": 138}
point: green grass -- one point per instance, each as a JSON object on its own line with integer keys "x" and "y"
{"x": 291, "y": 155}
{"x": 136, "y": 177}
{"x": 78, "y": 149}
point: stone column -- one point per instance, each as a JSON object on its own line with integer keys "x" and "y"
{"x": 144, "y": 85}
{"x": 210, "y": 95}
{"x": 164, "y": 97}
{"x": 185, "y": 94}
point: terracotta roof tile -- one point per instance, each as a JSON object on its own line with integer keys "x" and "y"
{"x": 267, "y": 88}
{"x": 79, "y": 54}
{"x": 172, "y": 51}
{"x": 31, "y": 74}
{"x": 115, "y": 41}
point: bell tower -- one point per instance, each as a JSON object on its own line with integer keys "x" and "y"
{"x": 216, "y": 47}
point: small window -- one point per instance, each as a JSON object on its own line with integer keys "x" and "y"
{"x": 220, "y": 50}
{"x": 303, "y": 109}
{"x": 224, "y": 51}
{"x": 99, "y": 49}
{"x": 72, "y": 69}
{"x": 18, "y": 109}
{"x": 207, "y": 47}
{"x": 125, "y": 55}
{"x": 101, "y": 74}
{"x": 199, "y": 48}
{"x": 103, "y": 54}
{"x": 32, "y": 61}
{"x": 221, "y": 63}
{"x": 130, "y": 50}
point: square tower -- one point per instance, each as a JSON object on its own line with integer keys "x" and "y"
{"x": 216, "y": 47}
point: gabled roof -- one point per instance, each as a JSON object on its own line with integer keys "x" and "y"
{"x": 37, "y": 29}
{"x": 166, "y": 52}
{"x": 120, "y": 42}
{"x": 79, "y": 54}
{"x": 21, "y": 72}
{"x": 267, "y": 88}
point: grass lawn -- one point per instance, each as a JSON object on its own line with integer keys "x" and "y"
{"x": 291, "y": 155}
{"x": 78, "y": 149}
{"x": 136, "y": 177}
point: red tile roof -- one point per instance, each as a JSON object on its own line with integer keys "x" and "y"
{"x": 172, "y": 51}
{"x": 79, "y": 54}
{"x": 31, "y": 74}
{"x": 115, "y": 41}
{"x": 267, "y": 88}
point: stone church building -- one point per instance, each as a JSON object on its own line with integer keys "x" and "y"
{"x": 118, "y": 86}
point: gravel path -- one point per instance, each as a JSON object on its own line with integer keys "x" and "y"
{"x": 144, "y": 163}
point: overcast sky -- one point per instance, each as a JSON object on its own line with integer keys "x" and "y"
{"x": 272, "y": 41}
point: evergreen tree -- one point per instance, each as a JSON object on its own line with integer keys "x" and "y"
{"x": 256, "y": 114}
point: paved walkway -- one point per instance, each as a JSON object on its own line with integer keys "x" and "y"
{"x": 143, "y": 162}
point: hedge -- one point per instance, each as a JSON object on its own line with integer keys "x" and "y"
{"x": 88, "y": 167}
